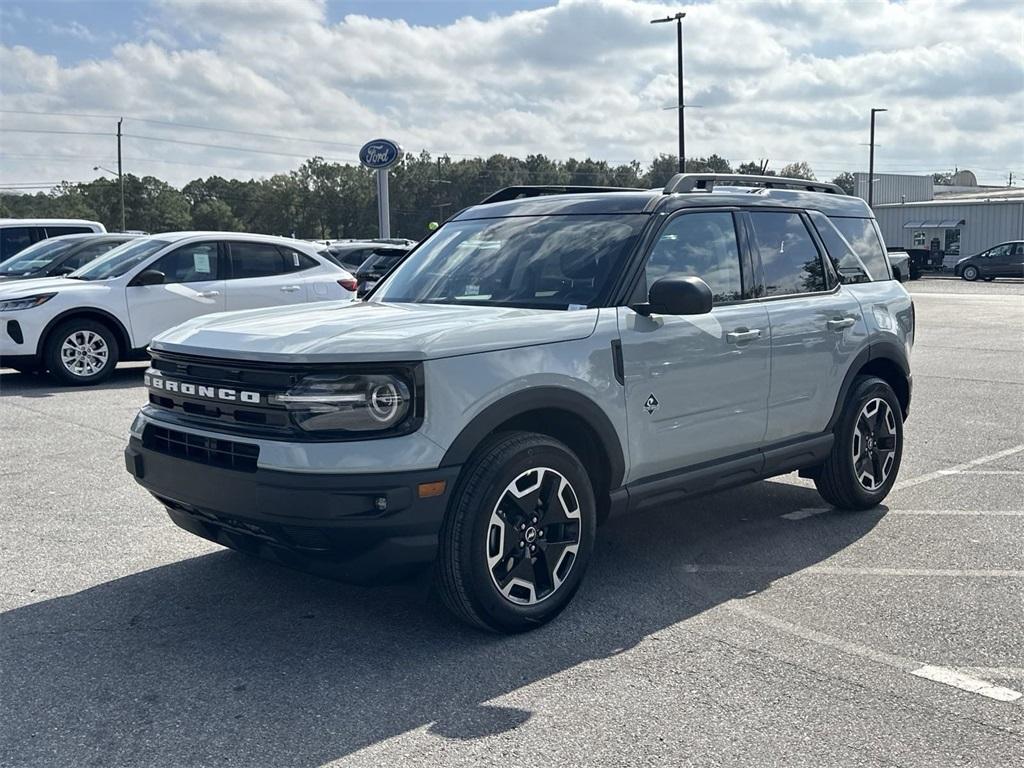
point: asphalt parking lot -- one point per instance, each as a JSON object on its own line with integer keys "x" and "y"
{"x": 752, "y": 627}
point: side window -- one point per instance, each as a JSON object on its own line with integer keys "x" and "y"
{"x": 256, "y": 260}
{"x": 789, "y": 257}
{"x": 189, "y": 264}
{"x": 296, "y": 261}
{"x": 999, "y": 253}
{"x": 13, "y": 239}
{"x": 84, "y": 255}
{"x": 701, "y": 245}
{"x": 861, "y": 234}
{"x": 1019, "y": 250}
{"x": 845, "y": 260}
{"x": 58, "y": 231}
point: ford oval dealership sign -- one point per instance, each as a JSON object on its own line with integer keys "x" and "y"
{"x": 380, "y": 154}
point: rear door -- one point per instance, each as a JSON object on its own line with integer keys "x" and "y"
{"x": 261, "y": 276}
{"x": 817, "y": 326}
{"x": 1017, "y": 261}
{"x": 192, "y": 286}
{"x": 696, "y": 386}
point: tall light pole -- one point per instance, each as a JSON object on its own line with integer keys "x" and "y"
{"x": 871, "y": 157}
{"x": 120, "y": 174}
{"x": 678, "y": 19}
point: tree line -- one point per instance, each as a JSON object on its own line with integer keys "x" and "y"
{"x": 324, "y": 200}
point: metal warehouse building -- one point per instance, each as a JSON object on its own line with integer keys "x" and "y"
{"x": 953, "y": 227}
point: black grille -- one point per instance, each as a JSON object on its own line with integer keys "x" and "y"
{"x": 203, "y": 450}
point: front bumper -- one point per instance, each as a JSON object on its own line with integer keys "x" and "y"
{"x": 360, "y": 527}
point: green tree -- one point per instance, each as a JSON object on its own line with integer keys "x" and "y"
{"x": 799, "y": 170}
{"x": 846, "y": 181}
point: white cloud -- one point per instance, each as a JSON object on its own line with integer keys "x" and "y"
{"x": 783, "y": 80}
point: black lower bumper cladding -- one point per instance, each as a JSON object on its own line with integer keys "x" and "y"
{"x": 360, "y": 527}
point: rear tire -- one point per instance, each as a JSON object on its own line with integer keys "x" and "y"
{"x": 970, "y": 273}
{"x": 518, "y": 534}
{"x": 868, "y": 447}
{"x": 81, "y": 352}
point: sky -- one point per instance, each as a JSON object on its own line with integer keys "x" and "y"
{"x": 247, "y": 89}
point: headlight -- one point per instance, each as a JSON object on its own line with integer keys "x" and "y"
{"x": 348, "y": 402}
{"x": 26, "y": 302}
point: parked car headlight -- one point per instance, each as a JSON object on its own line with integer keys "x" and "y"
{"x": 25, "y": 302}
{"x": 348, "y": 402}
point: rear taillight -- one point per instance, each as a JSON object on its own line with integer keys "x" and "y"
{"x": 348, "y": 283}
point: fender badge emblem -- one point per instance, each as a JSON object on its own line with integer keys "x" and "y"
{"x": 651, "y": 404}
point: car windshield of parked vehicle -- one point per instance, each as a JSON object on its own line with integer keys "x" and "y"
{"x": 546, "y": 262}
{"x": 36, "y": 257}
{"x": 120, "y": 260}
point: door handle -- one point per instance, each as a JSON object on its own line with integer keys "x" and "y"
{"x": 840, "y": 324}
{"x": 209, "y": 294}
{"x": 741, "y": 337}
{"x": 289, "y": 288}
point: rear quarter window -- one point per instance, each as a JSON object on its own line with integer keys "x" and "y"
{"x": 865, "y": 241}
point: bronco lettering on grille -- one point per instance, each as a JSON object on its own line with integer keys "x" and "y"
{"x": 158, "y": 382}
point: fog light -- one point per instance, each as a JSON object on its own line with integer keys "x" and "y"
{"x": 429, "y": 490}
{"x": 381, "y": 503}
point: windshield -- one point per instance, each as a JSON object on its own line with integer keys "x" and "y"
{"x": 119, "y": 260}
{"x": 546, "y": 262}
{"x": 35, "y": 257}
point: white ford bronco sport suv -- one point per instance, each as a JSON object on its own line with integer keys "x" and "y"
{"x": 543, "y": 360}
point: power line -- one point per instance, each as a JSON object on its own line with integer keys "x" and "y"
{"x": 192, "y": 126}
{"x": 49, "y": 130}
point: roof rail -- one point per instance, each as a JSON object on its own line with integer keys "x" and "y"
{"x": 705, "y": 182}
{"x": 515, "y": 193}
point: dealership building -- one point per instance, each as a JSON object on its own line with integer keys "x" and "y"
{"x": 951, "y": 221}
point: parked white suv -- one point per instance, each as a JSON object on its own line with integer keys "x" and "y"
{"x": 80, "y": 326}
{"x": 16, "y": 234}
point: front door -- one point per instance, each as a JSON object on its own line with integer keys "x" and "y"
{"x": 817, "y": 326}
{"x": 696, "y": 386}
{"x": 192, "y": 287}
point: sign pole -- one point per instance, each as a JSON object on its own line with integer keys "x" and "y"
{"x": 379, "y": 155}
{"x": 383, "y": 204}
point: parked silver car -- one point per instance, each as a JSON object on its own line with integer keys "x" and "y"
{"x": 540, "y": 362}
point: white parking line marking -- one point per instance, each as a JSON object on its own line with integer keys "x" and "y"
{"x": 962, "y": 512}
{"x": 842, "y": 570}
{"x": 982, "y": 472}
{"x": 800, "y": 514}
{"x": 966, "y": 683}
{"x": 1003, "y": 673}
{"x": 910, "y": 482}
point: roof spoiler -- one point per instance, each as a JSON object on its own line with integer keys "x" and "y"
{"x": 515, "y": 193}
{"x": 705, "y": 182}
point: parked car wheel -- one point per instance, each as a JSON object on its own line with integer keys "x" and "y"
{"x": 81, "y": 352}
{"x": 868, "y": 448}
{"x": 518, "y": 534}
{"x": 970, "y": 273}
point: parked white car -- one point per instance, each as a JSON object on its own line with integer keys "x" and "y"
{"x": 16, "y": 234}
{"x": 78, "y": 327}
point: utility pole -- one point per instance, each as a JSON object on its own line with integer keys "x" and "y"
{"x": 681, "y": 106}
{"x": 120, "y": 170}
{"x": 439, "y": 181}
{"x": 871, "y": 157}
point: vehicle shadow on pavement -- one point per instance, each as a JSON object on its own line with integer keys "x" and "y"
{"x": 41, "y": 385}
{"x": 229, "y": 660}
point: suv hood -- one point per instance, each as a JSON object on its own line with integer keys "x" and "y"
{"x": 372, "y": 332}
{"x": 13, "y": 288}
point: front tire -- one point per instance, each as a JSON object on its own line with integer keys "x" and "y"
{"x": 970, "y": 273}
{"x": 518, "y": 534}
{"x": 868, "y": 448}
{"x": 81, "y": 352}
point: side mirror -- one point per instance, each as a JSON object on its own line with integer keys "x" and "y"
{"x": 677, "y": 295}
{"x": 149, "y": 277}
